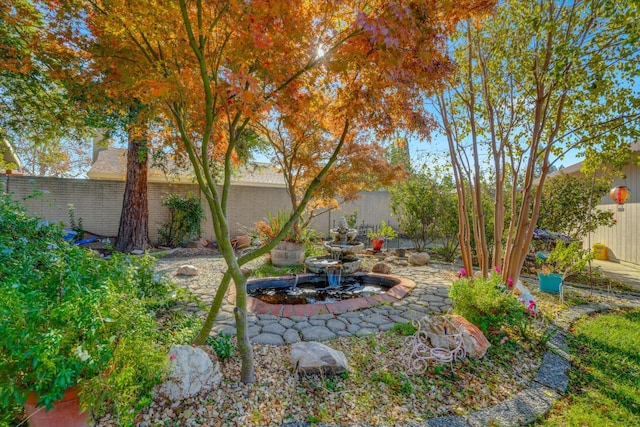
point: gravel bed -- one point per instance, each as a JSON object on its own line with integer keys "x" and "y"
{"x": 377, "y": 390}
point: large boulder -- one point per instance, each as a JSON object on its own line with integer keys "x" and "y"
{"x": 419, "y": 258}
{"x": 475, "y": 343}
{"x": 192, "y": 371}
{"x": 314, "y": 358}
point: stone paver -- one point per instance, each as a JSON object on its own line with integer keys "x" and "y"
{"x": 270, "y": 339}
{"x": 553, "y": 373}
{"x": 336, "y": 325}
{"x": 274, "y": 328}
{"x": 291, "y": 336}
{"x": 317, "y": 333}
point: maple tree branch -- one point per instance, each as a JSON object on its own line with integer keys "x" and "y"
{"x": 313, "y": 62}
{"x": 305, "y": 198}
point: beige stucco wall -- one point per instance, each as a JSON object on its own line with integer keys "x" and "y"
{"x": 623, "y": 239}
{"x": 99, "y": 204}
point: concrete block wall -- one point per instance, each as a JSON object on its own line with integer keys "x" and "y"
{"x": 99, "y": 204}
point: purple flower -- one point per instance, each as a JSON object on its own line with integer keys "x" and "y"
{"x": 463, "y": 272}
{"x": 497, "y": 269}
{"x": 510, "y": 282}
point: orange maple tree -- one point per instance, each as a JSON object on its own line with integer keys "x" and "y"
{"x": 218, "y": 68}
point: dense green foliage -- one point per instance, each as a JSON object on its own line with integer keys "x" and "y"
{"x": 604, "y": 383}
{"x": 69, "y": 318}
{"x": 222, "y": 345}
{"x": 487, "y": 303}
{"x": 186, "y": 216}
{"x": 569, "y": 205}
{"x": 385, "y": 231}
{"x": 427, "y": 212}
{"x": 567, "y": 259}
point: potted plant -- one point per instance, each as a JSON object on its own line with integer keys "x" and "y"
{"x": 383, "y": 233}
{"x": 71, "y": 324}
{"x": 561, "y": 262}
{"x": 291, "y": 249}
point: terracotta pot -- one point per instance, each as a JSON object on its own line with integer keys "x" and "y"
{"x": 65, "y": 412}
{"x": 376, "y": 244}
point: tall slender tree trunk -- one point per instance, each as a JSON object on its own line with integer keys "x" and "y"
{"x": 133, "y": 232}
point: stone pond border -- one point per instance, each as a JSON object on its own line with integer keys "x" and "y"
{"x": 549, "y": 385}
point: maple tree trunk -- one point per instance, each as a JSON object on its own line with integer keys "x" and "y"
{"x": 133, "y": 232}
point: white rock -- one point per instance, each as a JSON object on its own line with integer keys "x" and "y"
{"x": 187, "y": 270}
{"x": 313, "y": 357}
{"x": 419, "y": 258}
{"x": 192, "y": 371}
{"x": 137, "y": 252}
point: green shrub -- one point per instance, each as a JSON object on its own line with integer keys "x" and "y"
{"x": 68, "y": 318}
{"x": 222, "y": 345}
{"x": 186, "y": 216}
{"x": 486, "y": 303}
{"x": 567, "y": 259}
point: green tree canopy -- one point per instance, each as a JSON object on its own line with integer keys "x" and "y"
{"x": 569, "y": 205}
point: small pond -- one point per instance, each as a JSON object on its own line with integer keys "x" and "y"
{"x": 318, "y": 288}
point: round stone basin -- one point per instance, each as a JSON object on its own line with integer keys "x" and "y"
{"x": 316, "y": 289}
{"x": 320, "y": 264}
{"x": 343, "y": 249}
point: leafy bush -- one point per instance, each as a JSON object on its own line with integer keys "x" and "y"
{"x": 68, "y": 318}
{"x": 486, "y": 303}
{"x": 569, "y": 205}
{"x": 404, "y": 329}
{"x": 426, "y": 206}
{"x": 567, "y": 259}
{"x": 186, "y": 216}
{"x": 384, "y": 232}
{"x": 222, "y": 346}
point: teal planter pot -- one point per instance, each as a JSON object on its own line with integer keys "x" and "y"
{"x": 550, "y": 283}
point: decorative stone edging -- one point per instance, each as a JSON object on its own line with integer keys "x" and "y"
{"x": 549, "y": 385}
{"x": 397, "y": 292}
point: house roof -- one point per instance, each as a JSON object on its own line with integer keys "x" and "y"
{"x": 577, "y": 167}
{"x": 111, "y": 165}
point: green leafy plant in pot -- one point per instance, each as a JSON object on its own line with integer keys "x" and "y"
{"x": 71, "y": 320}
{"x": 379, "y": 236}
{"x": 561, "y": 262}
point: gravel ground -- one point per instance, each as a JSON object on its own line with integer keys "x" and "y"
{"x": 377, "y": 391}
